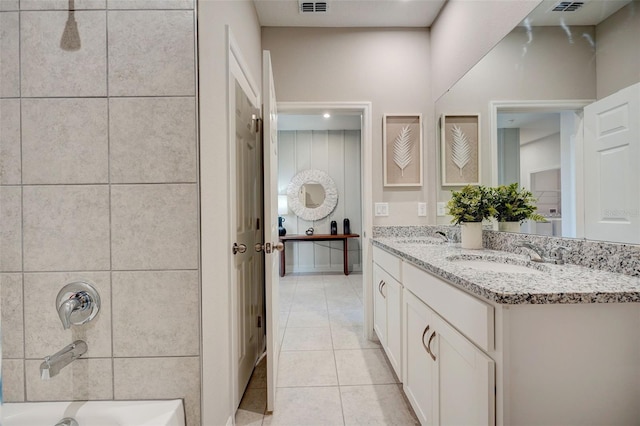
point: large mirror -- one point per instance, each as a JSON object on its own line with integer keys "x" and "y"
{"x": 312, "y": 195}
{"x": 544, "y": 95}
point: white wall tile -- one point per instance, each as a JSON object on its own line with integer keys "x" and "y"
{"x": 150, "y": 4}
{"x": 64, "y": 141}
{"x": 6, "y": 5}
{"x": 83, "y": 379}
{"x": 9, "y": 55}
{"x": 152, "y": 140}
{"x": 13, "y": 327}
{"x": 66, "y": 228}
{"x": 10, "y": 162}
{"x": 61, "y": 4}
{"x": 151, "y": 53}
{"x": 171, "y": 305}
{"x": 10, "y": 228}
{"x": 49, "y": 71}
{"x": 160, "y": 378}
{"x": 154, "y": 227}
{"x": 44, "y": 334}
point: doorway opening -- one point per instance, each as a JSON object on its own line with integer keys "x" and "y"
{"x": 537, "y": 144}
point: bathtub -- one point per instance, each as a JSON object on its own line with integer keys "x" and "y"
{"x": 95, "y": 413}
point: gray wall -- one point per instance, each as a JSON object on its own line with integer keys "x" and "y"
{"x": 617, "y": 43}
{"x": 387, "y": 66}
{"x": 100, "y": 182}
{"x": 336, "y": 152}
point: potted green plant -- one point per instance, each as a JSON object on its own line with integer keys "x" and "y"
{"x": 513, "y": 206}
{"x": 469, "y": 207}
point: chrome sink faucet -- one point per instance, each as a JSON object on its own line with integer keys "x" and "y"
{"x": 52, "y": 364}
{"x": 556, "y": 253}
{"x": 443, "y": 235}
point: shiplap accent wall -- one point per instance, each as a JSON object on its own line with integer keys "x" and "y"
{"x": 336, "y": 152}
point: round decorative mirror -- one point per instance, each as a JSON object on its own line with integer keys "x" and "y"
{"x": 312, "y": 194}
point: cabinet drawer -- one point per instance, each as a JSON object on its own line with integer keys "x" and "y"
{"x": 472, "y": 317}
{"x": 388, "y": 262}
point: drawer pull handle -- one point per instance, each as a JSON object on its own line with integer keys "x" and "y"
{"x": 426, "y": 348}
{"x": 380, "y": 287}
{"x": 429, "y": 346}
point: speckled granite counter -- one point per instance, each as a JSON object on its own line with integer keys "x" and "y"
{"x": 546, "y": 284}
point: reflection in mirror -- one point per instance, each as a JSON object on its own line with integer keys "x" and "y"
{"x": 311, "y": 195}
{"x": 534, "y": 91}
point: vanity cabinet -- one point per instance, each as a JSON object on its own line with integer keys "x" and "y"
{"x": 447, "y": 379}
{"x": 387, "y": 296}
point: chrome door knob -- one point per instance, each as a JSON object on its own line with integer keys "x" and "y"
{"x": 239, "y": 248}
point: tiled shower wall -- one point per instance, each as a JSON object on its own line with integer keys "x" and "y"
{"x": 98, "y": 174}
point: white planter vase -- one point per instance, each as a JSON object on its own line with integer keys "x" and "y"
{"x": 509, "y": 226}
{"x": 471, "y": 235}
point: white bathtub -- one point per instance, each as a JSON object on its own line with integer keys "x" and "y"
{"x": 95, "y": 413}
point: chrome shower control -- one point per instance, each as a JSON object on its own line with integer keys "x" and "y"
{"x": 77, "y": 303}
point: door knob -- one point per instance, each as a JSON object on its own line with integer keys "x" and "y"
{"x": 269, "y": 247}
{"x": 239, "y": 248}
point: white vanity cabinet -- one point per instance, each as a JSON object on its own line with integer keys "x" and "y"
{"x": 447, "y": 379}
{"x": 387, "y": 296}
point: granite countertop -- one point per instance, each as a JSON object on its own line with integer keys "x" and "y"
{"x": 546, "y": 284}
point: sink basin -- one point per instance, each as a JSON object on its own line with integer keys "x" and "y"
{"x": 497, "y": 264}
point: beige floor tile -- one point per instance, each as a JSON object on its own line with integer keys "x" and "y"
{"x": 307, "y": 339}
{"x": 248, "y": 418}
{"x": 351, "y": 338}
{"x": 317, "y": 318}
{"x": 307, "y": 406}
{"x": 346, "y": 318}
{"x": 307, "y": 368}
{"x": 351, "y": 302}
{"x": 363, "y": 367}
{"x": 376, "y": 405}
{"x": 254, "y": 401}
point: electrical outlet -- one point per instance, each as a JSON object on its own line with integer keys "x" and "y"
{"x": 382, "y": 209}
{"x": 441, "y": 209}
{"x": 422, "y": 209}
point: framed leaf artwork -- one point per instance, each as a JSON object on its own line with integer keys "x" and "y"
{"x": 460, "y": 151}
{"x": 402, "y": 149}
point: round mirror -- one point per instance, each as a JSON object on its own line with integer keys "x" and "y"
{"x": 312, "y": 195}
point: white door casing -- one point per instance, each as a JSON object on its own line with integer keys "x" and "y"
{"x": 270, "y": 132}
{"x": 611, "y": 173}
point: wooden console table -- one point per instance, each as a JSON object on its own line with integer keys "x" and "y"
{"x": 315, "y": 237}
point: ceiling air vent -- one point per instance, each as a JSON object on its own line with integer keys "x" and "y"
{"x": 313, "y": 6}
{"x": 568, "y": 6}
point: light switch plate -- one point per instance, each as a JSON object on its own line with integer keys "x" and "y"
{"x": 422, "y": 209}
{"x": 441, "y": 211}
{"x": 382, "y": 209}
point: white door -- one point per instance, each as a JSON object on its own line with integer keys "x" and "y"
{"x": 465, "y": 376}
{"x": 270, "y": 132}
{"x": 611, "y": 174}
{"x": 248, "y": 265}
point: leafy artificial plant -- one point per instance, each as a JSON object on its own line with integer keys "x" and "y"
{"x": 513, "y": 204}
{"x": 471, "y": 204}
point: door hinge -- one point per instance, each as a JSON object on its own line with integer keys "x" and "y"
{"x": 259, "y": 321}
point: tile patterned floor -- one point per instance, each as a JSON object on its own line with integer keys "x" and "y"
{"x": 329, "y": 374}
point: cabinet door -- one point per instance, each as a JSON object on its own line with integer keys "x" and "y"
{"x": 393, "y": 292}
{"x": 465, "y": 376}
{"x": 379, "y": 305}
{"x": 418, "y": 367}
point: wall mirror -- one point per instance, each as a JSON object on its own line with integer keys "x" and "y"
{"x": 312, "y": 195}
{"x": 534, "y": 91}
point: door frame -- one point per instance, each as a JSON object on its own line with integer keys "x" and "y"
{"x": 366, "y": 132}
{"x": 543, "y": 106}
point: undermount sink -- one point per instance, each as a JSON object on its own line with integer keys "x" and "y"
{"x": 497, "y": 264}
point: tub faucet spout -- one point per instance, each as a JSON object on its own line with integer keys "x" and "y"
{"x": 52, "y": 364}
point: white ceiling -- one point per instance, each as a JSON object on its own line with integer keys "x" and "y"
{"x": 591, "y": 13}
{"x": 350, "y": 13}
